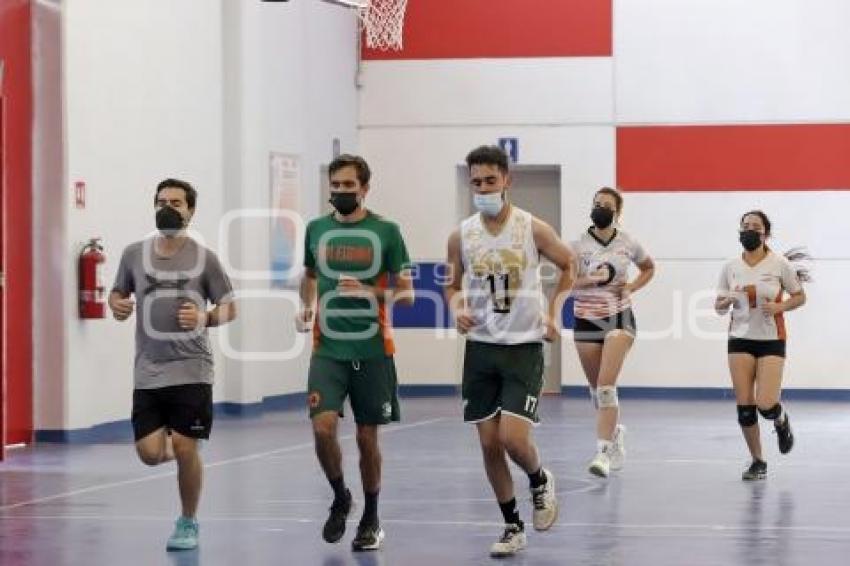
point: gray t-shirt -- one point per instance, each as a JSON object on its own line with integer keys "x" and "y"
{"x": 165, "y": 354}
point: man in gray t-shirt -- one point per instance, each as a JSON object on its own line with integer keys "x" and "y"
{"x": 173, "y": 279}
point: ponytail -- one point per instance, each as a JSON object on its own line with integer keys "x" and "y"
{"x": 799, "y": 258}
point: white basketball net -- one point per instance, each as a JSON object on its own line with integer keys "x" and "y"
{"x": 383, "y": 21}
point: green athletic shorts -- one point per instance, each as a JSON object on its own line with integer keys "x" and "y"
{"x": 371, "y": 386}
{"x": 501, "y": 378}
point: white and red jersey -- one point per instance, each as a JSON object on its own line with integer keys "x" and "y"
{"x": 615, "y": 256}
{"x": 752, "y": 286}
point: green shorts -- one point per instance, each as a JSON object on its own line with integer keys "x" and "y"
{"x": 371, "y": 386}
{"x": 501, "y": 378}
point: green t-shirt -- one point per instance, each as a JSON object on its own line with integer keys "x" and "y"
{"x": 370, "y": 250}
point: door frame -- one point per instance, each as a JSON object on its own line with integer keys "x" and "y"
{"x": 2, "y": 273}
{"x": 553, "y": 352}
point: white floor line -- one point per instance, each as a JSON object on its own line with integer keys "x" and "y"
{"x": 707, "y": 530}
{"x": 240, "y": 459}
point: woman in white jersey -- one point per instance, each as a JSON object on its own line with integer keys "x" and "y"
{"x": 605, "y": 325}
{"x": 754, "y": 287}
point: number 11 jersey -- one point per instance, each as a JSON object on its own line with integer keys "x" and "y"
{"x": 502, "y": 280}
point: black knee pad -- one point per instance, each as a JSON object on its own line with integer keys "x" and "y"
{"x": 772, "y": 413}
{"x": 747, "y": 415}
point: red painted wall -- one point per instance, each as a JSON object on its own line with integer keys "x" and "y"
{"x": 16, "y": 215}
{"x": 463, "y": 29}
{"x": 715, "y": 158}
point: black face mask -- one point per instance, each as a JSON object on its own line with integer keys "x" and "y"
{"x": 169, "y": 221}
{"x": 750, "y": 239}
{"x": 602, "y": 217}
{"x": 344, "y": 203}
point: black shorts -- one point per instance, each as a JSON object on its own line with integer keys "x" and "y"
{"x": 185, "y": 409}
{"x": 757, "y": 348}
{"x": 500, "y": 378}
{"x": 596, "y": 329}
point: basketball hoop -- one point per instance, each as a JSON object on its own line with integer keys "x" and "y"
{"x": 381, "y": 20}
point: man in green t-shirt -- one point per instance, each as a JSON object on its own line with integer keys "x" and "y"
{"x": 356, "y": 266}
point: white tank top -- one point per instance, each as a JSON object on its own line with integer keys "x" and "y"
{"x": 502, "y": 280}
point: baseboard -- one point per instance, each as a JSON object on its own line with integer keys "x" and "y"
{"x": 709, "y": 393}
{"x": 122, "y": 431}
{"x": 415, "y": 390}
{"x": 111, "y": 432}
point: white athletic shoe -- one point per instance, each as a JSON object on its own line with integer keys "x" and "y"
{"x": 601, "y": 463}
{"x": 512, "y": 541}
{"x": 545, "y": 503}
{"x": 618, "y": 454}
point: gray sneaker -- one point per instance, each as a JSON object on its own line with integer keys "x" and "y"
{"x": 545, "y": 503}
{"x": 601, "y": 464}
{"x": 512, "y": 541}
{"x": 369, "y": 537}
{"x": 618, "y": 454}
{"x": 756, "y": 471}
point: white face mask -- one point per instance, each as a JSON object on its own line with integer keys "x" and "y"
{"x": 489, "y": 204}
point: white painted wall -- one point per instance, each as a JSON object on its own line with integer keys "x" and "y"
{"x": 291, "y": 75}
{"x": 196, "y": 89}
{"x": 486, "y": 92}
{"x": 205, "y": 90}
{"x": 731, "y": 61}
{"x": 49, "y": 208}
{"x": 697, "y": 62}
{"x": 142, "y": 102}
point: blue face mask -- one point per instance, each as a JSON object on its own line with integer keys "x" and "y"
{"x": 489, "y": 204}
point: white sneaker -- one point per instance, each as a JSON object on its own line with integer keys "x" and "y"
{"x": 601, "y": 463}
{"x": 512, "y": 541}
{"x": 545, "y": 503}
{"x": 618, "y": 454}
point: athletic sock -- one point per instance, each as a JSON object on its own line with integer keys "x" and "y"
{"x": 510, "y": 512}
{"x": 340, "y": 492}
{"x": 370, "y": 508}
{"x": 536, "y": 479}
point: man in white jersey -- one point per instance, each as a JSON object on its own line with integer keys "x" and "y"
{"x": 500, "y": 309}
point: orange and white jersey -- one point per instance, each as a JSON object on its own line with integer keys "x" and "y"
{"x": 767, "y": 281}
{"x": 615, "y": 256}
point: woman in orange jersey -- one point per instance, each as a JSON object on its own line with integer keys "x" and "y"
{"x": 758, "y": 288}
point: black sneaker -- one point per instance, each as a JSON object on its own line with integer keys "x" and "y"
{"x": 784, "y": 435}
{"x": 369, "y": 537}
{"x": 335, "y": 525}
{"x": 756, "y": 471}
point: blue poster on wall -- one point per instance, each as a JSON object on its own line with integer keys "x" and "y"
{"x": 511, "y": 147}
{"x": 285, "y": 184}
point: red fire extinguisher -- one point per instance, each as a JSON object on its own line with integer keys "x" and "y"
{"x": 92, "y": 289}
